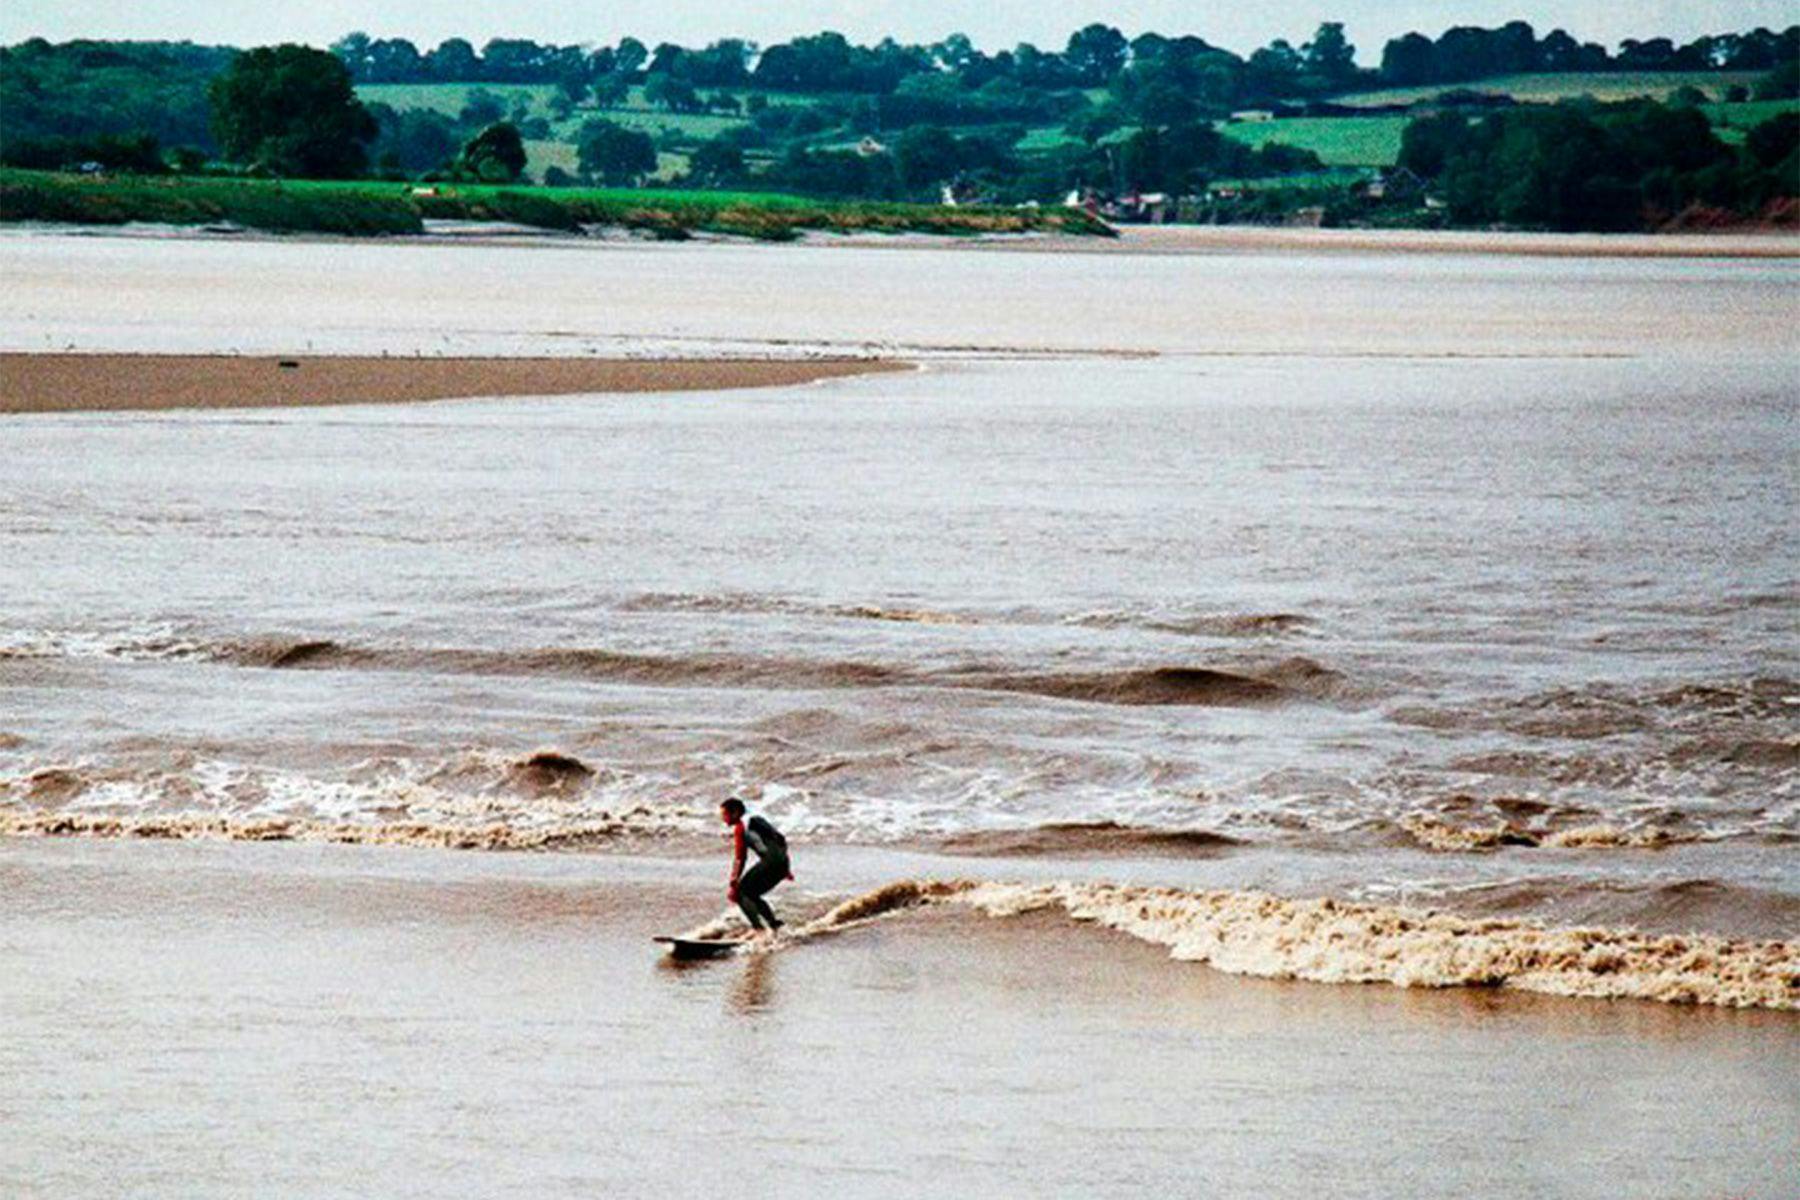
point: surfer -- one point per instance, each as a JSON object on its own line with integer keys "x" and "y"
{"x": 747, "y": 888}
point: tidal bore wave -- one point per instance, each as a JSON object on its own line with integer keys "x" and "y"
{"x": 1332, "y": 941}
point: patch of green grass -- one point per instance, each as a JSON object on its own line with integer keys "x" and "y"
{"x": 1733, "y": 121}
{"x": 540, "y": 156}
{"x": 1047, "y": 138}
{"x": 698, "y": 127}
{"x": 365, "y": 207}
{"x": 1602, "y": 85}
{"x": 1338, "y": 141}
{"x": 449, "y": 98}
{"x": 634, "y": 113}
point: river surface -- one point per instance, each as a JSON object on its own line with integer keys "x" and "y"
{"x": 1487, "y": 557}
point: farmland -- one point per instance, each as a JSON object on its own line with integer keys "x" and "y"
{"x": 1338, "y": 141}
{"x": 1548, "y": 88}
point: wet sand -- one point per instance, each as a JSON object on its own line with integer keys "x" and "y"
{"x": 110, "y": 382}
{"x": 209, "y": 1020}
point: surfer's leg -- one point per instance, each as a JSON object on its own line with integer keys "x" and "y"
{"x": 751, "y": 906}
{"x": 768, "y": 914}
{"x": 753, "y": 885}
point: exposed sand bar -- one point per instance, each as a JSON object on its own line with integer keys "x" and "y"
{"x": 109, "y": 382}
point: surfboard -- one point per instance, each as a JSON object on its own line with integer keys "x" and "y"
{"x": 686, "y": 948}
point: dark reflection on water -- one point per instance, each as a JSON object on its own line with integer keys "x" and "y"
{"x": 754, "y": 990}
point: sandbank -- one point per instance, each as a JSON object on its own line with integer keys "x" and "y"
{"x": 110, "y": 382}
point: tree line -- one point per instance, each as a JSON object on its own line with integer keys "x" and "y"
{"x": 1466, "y": 53}
{"x": 1094, "y": 56}
{"x": 1584, "y": 166}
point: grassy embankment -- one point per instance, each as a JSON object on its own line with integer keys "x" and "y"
{"x": 366, "y": 208}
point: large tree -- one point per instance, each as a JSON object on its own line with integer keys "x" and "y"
{"x": 619, "y": 156}
{"x": 717, "y": 163}
{"x": 496, "y": 154}
{"x": 292, "y": 110}
{"x": 1330, "y": 55}
{"x": 1096, "y": 53}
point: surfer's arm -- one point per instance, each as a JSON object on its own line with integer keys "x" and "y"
{"x": 737, "y": 859}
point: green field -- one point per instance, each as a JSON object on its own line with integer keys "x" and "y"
{"x": 1338, "y": 141}
{"x": 362, "y": 208}
{"x": 696, "y": 127}
{"x": 1375, "y": 141}
{"x": 540, "y": 156}
{"x": 634, "y": 113}
{"x": 449, "y": 98}
{"x": 1046, "y": 138}
{"x": 558, "y": 150}
{"x": 1601, "y": 85}
{"x": 1733, "y": 121}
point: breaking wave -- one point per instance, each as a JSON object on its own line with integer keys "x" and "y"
{"x": 492, "y": 835}
{"x": 139, "y": 643}
{"x": 1434, "y": 834}
{"x": 1331, "y": 941}
{"x": 1334, "y": 941}
{"x": 477, "y": 801}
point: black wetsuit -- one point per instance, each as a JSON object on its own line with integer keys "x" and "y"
{"x": 771, "y": 868}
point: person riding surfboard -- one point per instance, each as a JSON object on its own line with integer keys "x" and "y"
{"x": 752, "y": 834}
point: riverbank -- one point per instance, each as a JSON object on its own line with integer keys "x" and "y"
{"x": 467, "y": 212}
{"x": 1240, "y": 239}
{"x": 340, "y": 1019}
{"x": 375, "y": 208}
{"x": 32, "y": 383}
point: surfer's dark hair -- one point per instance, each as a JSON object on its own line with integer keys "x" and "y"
{"x": 734, "y": 808}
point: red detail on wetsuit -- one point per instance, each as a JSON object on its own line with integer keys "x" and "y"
{"x": 737, "y": 859}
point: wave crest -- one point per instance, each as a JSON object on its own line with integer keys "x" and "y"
{"x": 567, "y": 835}
{"x": 1434, "y": 834}
{"x": 1332, "y": 941}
